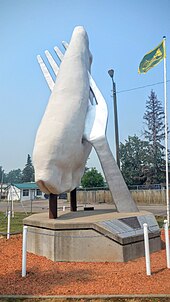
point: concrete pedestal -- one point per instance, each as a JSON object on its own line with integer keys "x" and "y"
{"x": 91, "y": 236}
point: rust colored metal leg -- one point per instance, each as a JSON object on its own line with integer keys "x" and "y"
{"x": 53, "y": 206}
{"x": 73, "y": 201}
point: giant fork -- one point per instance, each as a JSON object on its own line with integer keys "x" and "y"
{"x": 95, "y": 134}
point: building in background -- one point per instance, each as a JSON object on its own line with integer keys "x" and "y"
{"x": 24, "y": 191}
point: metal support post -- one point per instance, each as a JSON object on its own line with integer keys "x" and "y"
{"x": 73, "y": 201}
{"x": 53, "y": 206}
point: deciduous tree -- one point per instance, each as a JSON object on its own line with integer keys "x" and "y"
{"x": 92, "y": 178}
{"x": 14, "y": 176}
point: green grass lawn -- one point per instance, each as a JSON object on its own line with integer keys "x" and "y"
{"x": 16, "y": 222}
{"x": 160, "y": 220}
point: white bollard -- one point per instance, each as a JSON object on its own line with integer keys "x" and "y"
{"x": 12, "y": 203}
{"x": 8, "y": 225}
{"x": 147, "y": 253}
{"x": 64, "y": 208}
{"x": 167, "y": 243}
{"x": 24, "y": 250}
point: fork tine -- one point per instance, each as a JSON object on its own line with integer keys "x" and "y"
{"x": 52, "y": 62}
{"x": 59, "y": 53}
{"x": 46, "y": 73}
{"x": 98, "y": 95}
{"x": 65, "y": 44}
{"x": 92, "y": 97}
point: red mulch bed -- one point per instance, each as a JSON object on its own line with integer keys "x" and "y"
{"x": 45, "y": 277}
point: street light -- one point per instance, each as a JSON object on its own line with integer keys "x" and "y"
{"x": 111, "y": 74}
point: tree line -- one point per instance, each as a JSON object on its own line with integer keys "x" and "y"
{"x": 18, "y": 175}
{"x": 142, "y": 160}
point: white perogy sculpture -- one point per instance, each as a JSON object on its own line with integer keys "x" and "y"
{"x": 95, "y": 133}
{"x": 59, "y": 154}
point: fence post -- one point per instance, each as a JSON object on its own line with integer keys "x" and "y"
{"x": 167, "y": 243}
{"x": 8, "y": 226}
{"x": 24, "y": 250}
{"x": 147, "y": 253}
{"x": 84, "y": 196}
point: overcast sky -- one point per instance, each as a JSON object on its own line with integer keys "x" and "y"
{"x": 120, "y": 33}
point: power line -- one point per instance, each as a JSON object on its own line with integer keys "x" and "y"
{"x": 141, "y": 87}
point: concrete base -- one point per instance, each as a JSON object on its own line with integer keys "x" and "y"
{"x": 92, "y": 236}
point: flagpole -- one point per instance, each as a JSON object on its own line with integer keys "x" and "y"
{"x": 166, "y": 132}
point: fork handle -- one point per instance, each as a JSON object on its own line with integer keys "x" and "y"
{"x": 118, "y": 188}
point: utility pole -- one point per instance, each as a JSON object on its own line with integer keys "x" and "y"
{"x": 111, "y": 74}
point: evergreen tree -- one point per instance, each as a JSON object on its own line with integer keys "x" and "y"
{"x": 28, "y": 171}
{"x": 92, "y": 178}
{"x": 1, "y": 174}
{"x": 154, "y": 133}
{"x": 134, "y": 158}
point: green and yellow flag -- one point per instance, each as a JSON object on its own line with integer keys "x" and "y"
{"x": 152, "y": 58}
